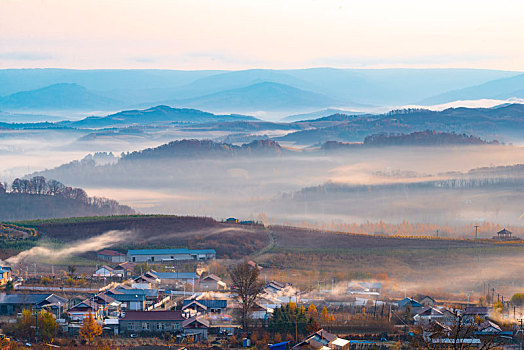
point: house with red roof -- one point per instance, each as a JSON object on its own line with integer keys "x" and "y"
{"x": 111, "y": 255}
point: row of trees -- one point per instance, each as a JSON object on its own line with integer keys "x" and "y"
{"x": 42, "y": 327}
{"x": 39, "y": 185}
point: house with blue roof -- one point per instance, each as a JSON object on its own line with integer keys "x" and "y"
{"x": 166, "y": 255}
{"x": 134, "y": 299}
{"x": 14, "y": 303}
{"x": 205, "y": 305}
{"x": 409, "y": 303}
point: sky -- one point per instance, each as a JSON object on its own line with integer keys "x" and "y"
{"x": 242, "y": 34}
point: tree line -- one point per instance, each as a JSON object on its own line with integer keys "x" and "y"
{"x": 40, "y": 186}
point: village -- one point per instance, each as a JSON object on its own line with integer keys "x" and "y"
{"x": 184, "y": 299}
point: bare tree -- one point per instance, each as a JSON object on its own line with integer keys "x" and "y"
{"x": 71, "y": 269}
{"x": 38, "y": 185}
{"x": 16, "y": 187}
{"x": 54, "y": 187}
{"x": 246, "y": 285}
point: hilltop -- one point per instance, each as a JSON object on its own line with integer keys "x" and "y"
{"x": 204, "y": 149}
{"x": 419, "y": 138}
{"x": 159, "y": 114}
{"x": 38, "y": 198}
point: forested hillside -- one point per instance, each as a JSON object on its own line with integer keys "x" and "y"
{"x": 38, "y": 198}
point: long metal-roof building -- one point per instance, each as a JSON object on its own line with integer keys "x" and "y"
{"x": 164, "y": 255}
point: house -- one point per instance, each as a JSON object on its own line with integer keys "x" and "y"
{"x": 410, "y": 303}
{"x": 364, "y": 288}
{"x": 427, "y": 301}
{"x": 126, "y": 269}
{"x": 488, "y": 328}
{"x": 134, "y": 299}
{"x": 212, "y": 282}
{"x": 176, "y": 277}
{"x": 105, "y": 271}
{"x": 428, "y": 314}
{"x": 205, "y": 305}
{"x": 147, "y": 279}
{"x": 260, "y": 312}
{"x": 100, "y": 306}
{"x": 473, "y": 312}
{"x": 5, "y": 275}
{"x": 11, "y": 304}
{"x": 111, "y": 256}
{"x": 339, "y": 344}
{"x": 82, "y": 310}
{"x": 323, "y": 340}
{"x": 165, "y": 255}
{"x": 274, "y": 287}
{"x": 196, "y": 327}
{"x": 151, "y": 322}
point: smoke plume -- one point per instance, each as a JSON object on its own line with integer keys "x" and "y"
{"x": 105, "y": 240}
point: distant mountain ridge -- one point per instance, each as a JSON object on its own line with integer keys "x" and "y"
{"x": 264, "y": 96}
{"x": 317, "y": 114}
{"x": 62, "y": 96}
{"x": 505, "y": 122}
{"x": 502, "y": 89}
{"x": 137, "y": 88}
{"x": 158, "y": 114}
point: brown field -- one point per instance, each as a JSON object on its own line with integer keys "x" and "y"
{"x": 305, "y": 256}
{"x": 229, "y": 240}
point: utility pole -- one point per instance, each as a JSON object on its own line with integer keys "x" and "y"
{"x": 36, "y": 326}
{"x": 521, "y": 335}
{"x": 476, "y": 231}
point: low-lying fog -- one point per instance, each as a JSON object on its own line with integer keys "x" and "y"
{"x": 273, "y": 187}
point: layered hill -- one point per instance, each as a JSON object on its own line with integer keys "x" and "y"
{"x": 492, "y": 123}
{"x": 502, "y": 89}
{"x": 419, "y": 138}
{"x": 264, "y": 96}
{"x": 63, "y": 96}
{"x": 205, "y": 149}
{"x": 155, "y": 115}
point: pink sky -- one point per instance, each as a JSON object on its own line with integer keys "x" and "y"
{"x": 228, "y": 34}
